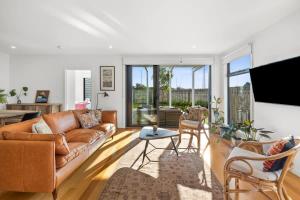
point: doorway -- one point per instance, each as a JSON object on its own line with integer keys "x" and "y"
{"x": 159, "y": 94}
{"x": 78, "y": 89}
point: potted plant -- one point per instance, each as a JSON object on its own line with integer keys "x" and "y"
{"x": 239, "y": 132}
{"x": 3, "y": 97}
{"x": 217, "y": 126}
{"x": 23, "y": 91}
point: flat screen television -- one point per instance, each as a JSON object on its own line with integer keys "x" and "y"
{"x": 277, "y": 82}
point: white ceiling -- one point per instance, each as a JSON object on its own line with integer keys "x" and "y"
{"x": 134, "y": 26}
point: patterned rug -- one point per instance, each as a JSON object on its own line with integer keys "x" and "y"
{"x": 167, "y": 177}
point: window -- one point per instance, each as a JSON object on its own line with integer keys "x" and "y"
{"x": 239, "y": 89}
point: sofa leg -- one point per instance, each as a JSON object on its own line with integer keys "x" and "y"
{"x": 54, "y": 194}
{"x": 112, "y": 137}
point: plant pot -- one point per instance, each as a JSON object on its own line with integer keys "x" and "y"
{"x": 216, "y": 116}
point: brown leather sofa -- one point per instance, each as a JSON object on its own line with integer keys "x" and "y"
{"x": 31, "y": 163}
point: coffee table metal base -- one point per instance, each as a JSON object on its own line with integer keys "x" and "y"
{"x": 144, "y": 153}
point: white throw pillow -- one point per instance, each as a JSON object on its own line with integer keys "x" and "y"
{"x": 41, "y": 127}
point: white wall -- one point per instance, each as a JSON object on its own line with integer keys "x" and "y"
{"x": 48, "y": 72}
{"x": 280, "y": 41}
{"x": 4, "y": 73}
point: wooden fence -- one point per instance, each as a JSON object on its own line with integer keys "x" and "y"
{"x": 139, "y": 96}
{"x": 239, "y": 99}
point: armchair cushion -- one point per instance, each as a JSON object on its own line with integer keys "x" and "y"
{"x": 257, "y": 166}
{"x": 190, "y": 123}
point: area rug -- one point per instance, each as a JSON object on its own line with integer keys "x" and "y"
{"x": 167, "y": 177}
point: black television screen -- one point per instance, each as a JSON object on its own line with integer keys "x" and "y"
{"x": 277, "y": 82}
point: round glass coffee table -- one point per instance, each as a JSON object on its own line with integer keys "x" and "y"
{"x": 148, "y": 134}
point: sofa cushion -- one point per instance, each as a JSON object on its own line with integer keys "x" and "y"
{"x": 41, "y": 127}
{"x": 83, "y": 135}
{"x": 97, "y": 114}
{"x": 61, "y": 122}
{"x": 25, "y": 126}
{"x": 75, "y": 149}
{"x": 77, "y": 113}
{"x": 87, "y": 120}
{"x": 105, "y": 127}
{"x": 61, "y": 145}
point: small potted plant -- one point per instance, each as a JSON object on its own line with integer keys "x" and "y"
{"x": 218, "y": 123}
{"x": 239, "y": 132}
{"x": 23, "y": 91}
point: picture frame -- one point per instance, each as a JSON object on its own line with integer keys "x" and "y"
{"x": 107, "y": 78}
{"x": 42, "y": 96}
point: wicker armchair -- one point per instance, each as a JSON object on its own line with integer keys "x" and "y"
{"x": 247, "y": 166}
{"x": 193, "y": 123}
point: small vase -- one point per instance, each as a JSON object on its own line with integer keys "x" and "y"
{"x": 19, "y": 101}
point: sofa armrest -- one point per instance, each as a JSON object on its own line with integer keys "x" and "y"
{"x": 109, "y": 116}
{"x": 27, "y": 166}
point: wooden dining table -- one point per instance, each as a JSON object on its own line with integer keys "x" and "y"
{"x": 6, "y": 115}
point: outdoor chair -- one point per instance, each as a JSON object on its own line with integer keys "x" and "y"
{"x": 193, "y": 123}
{"x": 247, "y": 166}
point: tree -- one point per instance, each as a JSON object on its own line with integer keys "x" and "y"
{"x": 165, "y": 76}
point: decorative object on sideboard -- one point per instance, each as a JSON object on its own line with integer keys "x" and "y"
{"x": 107, "y": 78}
{"x": 23, "y": 91}
{"x": 42, "y": 96}
{"x": 3, "y": 97}
{"x": 105, "y": 94}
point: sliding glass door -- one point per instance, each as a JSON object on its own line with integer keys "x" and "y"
{"x": 142, "y": 95}
{"x": 159, "y": 94}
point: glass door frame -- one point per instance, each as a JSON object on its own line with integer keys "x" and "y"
{"x": 128, "y": 76}
{"x": 156, "y": 92}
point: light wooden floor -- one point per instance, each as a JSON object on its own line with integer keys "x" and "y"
{"x": 87, "y": 182}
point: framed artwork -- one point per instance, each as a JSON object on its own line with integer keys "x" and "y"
{"x": 42, "y": 96}
{"x": 107, "y": 78}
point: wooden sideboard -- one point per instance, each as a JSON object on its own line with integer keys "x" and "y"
{"x": 44, "y": 108}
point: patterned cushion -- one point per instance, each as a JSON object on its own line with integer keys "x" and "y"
{"x": 196, "y": 113}
{"x": 88, "y": 120}
{"x": 97, "y": 114}
{"x": 278, "y": 164}
{"x": 41, "y": 127}
{"x": 273, "y": 150}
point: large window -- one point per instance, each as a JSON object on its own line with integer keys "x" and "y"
{"x": 239, "y": 89}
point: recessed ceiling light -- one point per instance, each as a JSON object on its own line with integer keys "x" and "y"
{"x": 13, "y": 47}
{"x": 110, "y": 46}
{"x": 194, "y": 46}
